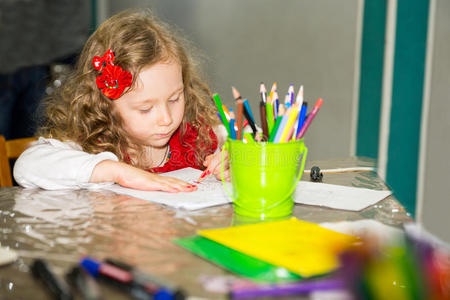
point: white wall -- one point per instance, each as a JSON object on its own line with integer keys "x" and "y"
{"x": 309, "y": 42}
{"x": 436, "y": 200}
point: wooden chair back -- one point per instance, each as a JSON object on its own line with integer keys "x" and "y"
{"x": 9, "y": 150}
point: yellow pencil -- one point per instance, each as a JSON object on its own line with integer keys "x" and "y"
{"x": 290, "y": 122}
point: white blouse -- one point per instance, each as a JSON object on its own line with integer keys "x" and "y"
{"x": 52, "y": 165}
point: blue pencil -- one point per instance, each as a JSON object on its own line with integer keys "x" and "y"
{"x": 301, "y": 118}
{"x": 249, "y": 110}
{"x": 232, "y": 130}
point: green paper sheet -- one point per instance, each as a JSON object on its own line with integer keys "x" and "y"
{"x": 236, "y": 261}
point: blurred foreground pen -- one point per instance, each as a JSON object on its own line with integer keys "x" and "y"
{"x": 117, "y": 277}
{"x": 287, "y": 289}
{"x": 84, "y": 283}
{"x": 151, "y": 283}
{"x": 57, "y": 287}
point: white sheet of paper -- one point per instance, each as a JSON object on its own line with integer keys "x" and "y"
{"x": 337, "y": 196}
{"x": 211, "y": 193}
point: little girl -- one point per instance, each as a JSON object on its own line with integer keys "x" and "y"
{"x": 133, "y": 107}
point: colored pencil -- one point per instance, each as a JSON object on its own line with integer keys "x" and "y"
{"x": 232, "y": 129}
{"x": 273, "y": 133}
{"x": 289, "y": 128}
{"x": 273, "y": 89}
{"x": 248, "y": 137}
{"x": 240, "y": 111}
{"x": 283, "y": 123}
{"x": 291, "y": 93}
{"x": 269, "y": 114}
{"x": 263, "y": 92}
{"x": 276, "y": 103}
{"x": 226, "y": 111}
{"x": 301, "y": 119}
{"x": 262, "y": 111}
{"x": 218, "y": 102}
{"x": 309, "y": 119}
{"x": 287, "y": 100}
{"x": 247, "y": 111}
{"x": 299, "y": 99}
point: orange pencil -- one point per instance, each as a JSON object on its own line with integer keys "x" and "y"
{"x": 226, "y": 111}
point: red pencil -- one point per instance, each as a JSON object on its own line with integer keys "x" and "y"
{"x": 203, "y": 175}
{"x": 311, "y": 116}
{"x": 240, "y": 111}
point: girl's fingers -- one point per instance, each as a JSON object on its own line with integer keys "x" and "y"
{"x": 226, "y": 175}
{"x": 208, "y": 160}
{"x": 182, "y": 186}
{"x": 171, "y": 184}
{"x": 217, "y": 162}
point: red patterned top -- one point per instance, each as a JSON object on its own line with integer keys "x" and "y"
{"x": 182, "y": 153}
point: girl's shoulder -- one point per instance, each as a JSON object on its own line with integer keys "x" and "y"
{"x": 57, "y": 143}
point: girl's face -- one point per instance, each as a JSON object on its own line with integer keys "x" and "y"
{"x": 154, "y": 109}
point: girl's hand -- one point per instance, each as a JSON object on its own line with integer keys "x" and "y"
{"x": 212, "y": 163}
{"x": 135, "y": 178}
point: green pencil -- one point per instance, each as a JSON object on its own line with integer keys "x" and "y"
{"x": 222, "y": 114}
{"x": 273, "y": 133}
{"x": 269, "y": 115}
{"x": 249, "y": 137}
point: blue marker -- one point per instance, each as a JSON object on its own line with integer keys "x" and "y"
{"x": 168, "y": 291}
{"x": 137, "y": 284}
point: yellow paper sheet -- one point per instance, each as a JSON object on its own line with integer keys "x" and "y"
{"x": 304, "y": 248}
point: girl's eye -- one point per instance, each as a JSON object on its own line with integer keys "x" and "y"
{"x": 146, "y": 110}
{"x": 174, "y": 100}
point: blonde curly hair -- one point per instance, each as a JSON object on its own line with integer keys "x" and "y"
{"x": 79, "y": 112}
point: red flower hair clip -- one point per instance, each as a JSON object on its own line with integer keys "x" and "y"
{"x": 112, "y": 80}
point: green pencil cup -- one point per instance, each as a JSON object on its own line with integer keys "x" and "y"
{"x": 264, "y": 177}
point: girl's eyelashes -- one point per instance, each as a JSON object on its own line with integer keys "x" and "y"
{"x": 177, "y": 98}
{"x": 145, "y": 110}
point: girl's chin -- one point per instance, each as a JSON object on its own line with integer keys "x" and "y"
{"x": 159, "y": 143}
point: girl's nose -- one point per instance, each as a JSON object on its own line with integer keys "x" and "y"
{"x": 164, "y": 116}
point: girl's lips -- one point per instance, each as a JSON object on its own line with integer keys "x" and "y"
{"x": 162, "y": 135}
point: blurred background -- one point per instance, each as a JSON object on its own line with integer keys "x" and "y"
{"x": 381, "y": 66}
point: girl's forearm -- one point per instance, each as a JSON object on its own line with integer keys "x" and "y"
{"x": 106, "y": 171}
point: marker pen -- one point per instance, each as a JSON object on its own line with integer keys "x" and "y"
{"x": 294, "y": 288}
{"x": 84, "y": 283}
{"x": 150, "y": 282}
{"x": 57, "y": 287}
{"x": 116, "y": 277}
